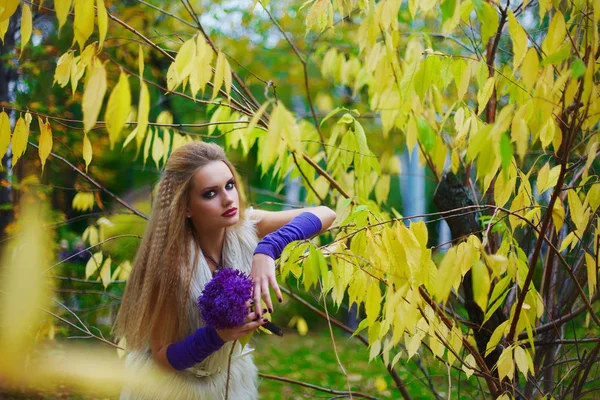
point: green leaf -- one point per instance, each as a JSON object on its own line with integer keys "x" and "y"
{"x": 448, "y": 7}
{"x": 506, "y": 150}
{"x": 577, "y": 68}
{"x": 426, "y": 134}
{"x": 488, "y": 17}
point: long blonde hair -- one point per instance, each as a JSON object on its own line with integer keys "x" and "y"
{"x": 156, "y": 295}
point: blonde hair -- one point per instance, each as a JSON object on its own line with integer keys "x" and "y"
{"x": 156, "y": 295}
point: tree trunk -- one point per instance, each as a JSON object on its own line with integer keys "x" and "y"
{"x": 8, "y": 77}
{"x": 451, "y": 195}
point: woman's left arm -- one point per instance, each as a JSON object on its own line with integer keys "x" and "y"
{"x": 283, "y": 227}
{"x": 270, "y": 221}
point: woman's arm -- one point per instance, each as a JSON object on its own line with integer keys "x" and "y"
{"x": 200, "y": 344}
{"x": 282, "y": 228}
{"x": 270, "y": 221}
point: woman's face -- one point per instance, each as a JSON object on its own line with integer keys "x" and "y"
{"x": 213, "y": 199}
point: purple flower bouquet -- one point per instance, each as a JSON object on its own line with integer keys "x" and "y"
{"x": 223, "y": 301}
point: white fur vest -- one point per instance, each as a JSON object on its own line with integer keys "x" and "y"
{"x": 207, "y": 380}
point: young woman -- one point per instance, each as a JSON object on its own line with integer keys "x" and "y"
{"x": 200, "y": 224}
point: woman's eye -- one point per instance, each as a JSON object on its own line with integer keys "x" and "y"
{"x": 209, "y": 195}
{"x": 230, "y": 185}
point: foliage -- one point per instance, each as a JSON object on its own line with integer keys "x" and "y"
{"x": 519, "y": 127}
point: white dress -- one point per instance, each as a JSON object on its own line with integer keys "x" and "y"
{"x": 207, "y": 380}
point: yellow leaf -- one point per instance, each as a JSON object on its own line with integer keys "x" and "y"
{"x": 495, "y": 338}
{"x": 543, "y": 179}
{"x": 519, "y": 39}
{"x": 530, "y": 69}
{"x": 227, "y": 77}
{"x": 93, "y": 95}
{"x": 102, "y": 22}
{"x": 579, "y": 212}
{"x": 521, "y": 360}
{"x": 503, "y": 188}
{"x": 90, "y": 235}
{"x": 83, "y": 26}
{"x": 118, "y": 109}
{"x": 301, "y": 326}
{"x": 592, "y": 273}
{"x": 62, "y": 8}
{"x": 105, "y": 273}
{"x": 157, "y": 149}
{"x": 8, "y": 8}
{"x": 93, "y": 264}
{"x": 484, "y": 94}
{"x": 45, "y": 143}
{"x": 24, "y": 289}
{"x": 125, "y": 270}
{"x": 166, "y": 144}
{"x": 62, "y": 74}
{"x": 4, "y": 133}
{"x": 469, "y": 365}
{"x": 593, "y": 195}
{"x": 506, "y": 367}
{"x": 448, "y": 273}
{"x": 141, "y": 62}
{"x": 481, "y": 284}
{"x": 3, "y": 28}
{"x": 373, "y": 302}
{"x": 375, "y": 349}
{"x": 173, "y": 79}
{"x": 558, "y": 214}
{"x": 143, "y": 114}
{"x": 184, "y": 61}
{"x": 19, "y": 139}
{"x": 547, "y": 133}
{"x": 570, "y": 239}
{"x": 83, "y": 201}
{"x": 556, "y": 34}
{"x": 26, "y": 25}
{"x": 219, "y": 74}
{"x": 591, "y": 157}
{"x": 382, "y": 189}
{"x": 87, "y": 151}
{"x": 147, "y": 143}
{"x": 411, "y": 134}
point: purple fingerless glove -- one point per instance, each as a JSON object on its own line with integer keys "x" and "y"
{"x": 302, "y": 227}
{"x": 194, "y": 349}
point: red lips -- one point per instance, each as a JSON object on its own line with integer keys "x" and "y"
{"x": 230, "y": 213}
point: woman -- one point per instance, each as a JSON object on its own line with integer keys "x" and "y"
{"x": 198, "y": 225}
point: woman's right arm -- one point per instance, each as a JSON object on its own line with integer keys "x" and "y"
{"x": 199, "y": 345}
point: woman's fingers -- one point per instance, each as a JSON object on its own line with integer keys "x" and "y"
{"x": 275, "y": 286}
{"x": 257, "y": 296}
{"x": 253, "y": 316}
{"x": 264, "y": 287}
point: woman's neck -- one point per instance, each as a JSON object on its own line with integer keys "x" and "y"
{"x": 212, "y": 243}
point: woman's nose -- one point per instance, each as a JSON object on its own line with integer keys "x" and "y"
{"x": 227, "y": 198}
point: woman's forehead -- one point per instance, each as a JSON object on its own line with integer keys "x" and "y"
{"x": 215, "y": 173}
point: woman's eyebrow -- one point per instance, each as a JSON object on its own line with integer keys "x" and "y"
{"x": 214, "y": 187}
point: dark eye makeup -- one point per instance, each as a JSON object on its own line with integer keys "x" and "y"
{"x": 212, "y": 193}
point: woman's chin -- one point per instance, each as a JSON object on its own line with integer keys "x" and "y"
{"x": 230, "y": 221}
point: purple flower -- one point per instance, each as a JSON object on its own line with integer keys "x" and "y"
{"x": 223, "y": 301}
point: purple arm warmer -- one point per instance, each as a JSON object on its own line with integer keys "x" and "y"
{"x": 194, "y": 348}
{"x": 302, "y": 227}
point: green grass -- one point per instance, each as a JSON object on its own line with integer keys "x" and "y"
{"x": 311, "y": 359}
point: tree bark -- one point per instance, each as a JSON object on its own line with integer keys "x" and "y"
{"x": 8, "y": 76}
{"x": 451, "y": 195}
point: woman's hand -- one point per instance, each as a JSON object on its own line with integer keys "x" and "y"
{"x": 252, "y": 322}
{"x": 263, "y": 275}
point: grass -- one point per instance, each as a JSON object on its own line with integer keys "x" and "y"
{"x": 311, "y": 359}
